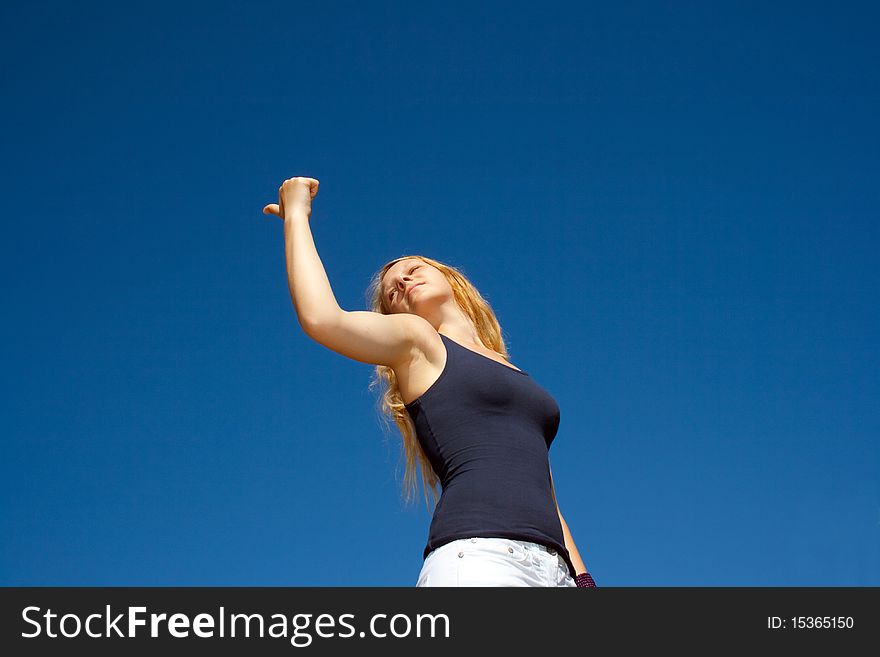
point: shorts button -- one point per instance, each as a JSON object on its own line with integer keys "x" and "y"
{"x": 460, "y": 555}
{"x": 510, "y": 549}
{"x": 551, "y": 550}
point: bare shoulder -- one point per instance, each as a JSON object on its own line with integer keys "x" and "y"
{"x": 427, "y": 360}
{"x": 426, "y": 341}
{"x": 375, "y": 338}
{"x": 405, "y": 342}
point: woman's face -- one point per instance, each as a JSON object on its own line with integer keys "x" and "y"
{"x": 413, "y": 286}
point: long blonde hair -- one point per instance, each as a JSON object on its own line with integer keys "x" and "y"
{"x": 390, "y": 403}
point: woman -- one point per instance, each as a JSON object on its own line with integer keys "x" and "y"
{"x": 482, "y": 426}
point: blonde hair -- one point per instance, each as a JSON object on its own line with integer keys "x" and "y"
{"x": 478, "y": 310}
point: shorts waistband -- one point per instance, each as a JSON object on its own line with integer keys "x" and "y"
{"x": 528, "y": 545}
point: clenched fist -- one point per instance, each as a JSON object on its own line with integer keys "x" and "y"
{"x": 294, "y": 198}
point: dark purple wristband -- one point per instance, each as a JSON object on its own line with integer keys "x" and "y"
{"x": 585, "y": 580}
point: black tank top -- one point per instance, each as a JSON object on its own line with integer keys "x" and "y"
{"x": 486, "y": 428}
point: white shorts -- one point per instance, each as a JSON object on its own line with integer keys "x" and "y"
{"x": 494, "y": 562}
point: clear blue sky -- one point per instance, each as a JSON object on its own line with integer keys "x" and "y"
{"x": 673, "y": 209}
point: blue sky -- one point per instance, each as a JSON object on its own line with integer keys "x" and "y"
{"x": 672, "y": 209}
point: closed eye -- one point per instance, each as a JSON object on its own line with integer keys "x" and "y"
{"x": 394, "y": 289}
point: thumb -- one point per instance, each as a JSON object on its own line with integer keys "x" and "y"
{"x": 272, "y": 208}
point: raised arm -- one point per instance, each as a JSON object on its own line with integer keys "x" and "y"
{"x": 364, "y": 336}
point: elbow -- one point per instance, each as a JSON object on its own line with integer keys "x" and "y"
{"x": 312, "y": 329}
{"x": 316, "y": 327}
{"x": 309, "y": 326}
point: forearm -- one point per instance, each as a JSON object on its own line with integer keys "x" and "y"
{"x": 576, "y": 561}
{"x": 310, "y": 289}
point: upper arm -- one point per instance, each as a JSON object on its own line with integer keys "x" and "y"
{"x": 371, "y": 337}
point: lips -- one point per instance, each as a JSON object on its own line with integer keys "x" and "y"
{"x": 413, "y": 288}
